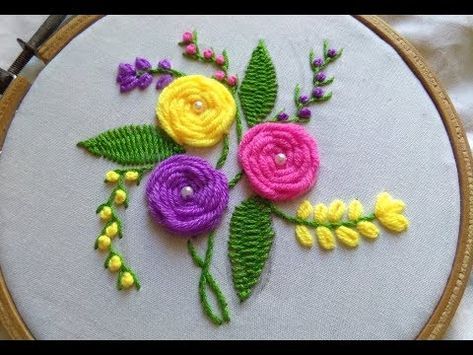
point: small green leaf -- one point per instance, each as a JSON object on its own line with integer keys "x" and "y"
{"x": 259, "y": 87}
{"x": 132, "y": 144}
{"x": 324, "y": 83}
{"x": 325, "y": 49}
{"x": 297, "y": 93}
{"x": 251, "y": 238}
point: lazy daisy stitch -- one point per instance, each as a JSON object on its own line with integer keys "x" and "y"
{"x": 188, "y": 197}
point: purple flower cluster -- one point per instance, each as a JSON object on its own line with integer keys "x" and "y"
{"x": 140, "y": 75}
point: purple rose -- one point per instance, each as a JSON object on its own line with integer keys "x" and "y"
{"x": 142, "y": 64}
{"x": 125, "y": 71}
{"x": 164, "y": 64}
{"x": 320, "y": 76}
{"x": 304, "y": 113}
{"x": 163, "y": 81}
{"x": 186, "y": 195}
{"x": 318, "y": 92}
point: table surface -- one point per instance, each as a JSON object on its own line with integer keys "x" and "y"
{"x": 444, "y": 41}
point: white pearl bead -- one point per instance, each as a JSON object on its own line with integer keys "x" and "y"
{"x": 187, "y": 191}
{"x": 198, "y": 105}
{"x": 280, "y": 158}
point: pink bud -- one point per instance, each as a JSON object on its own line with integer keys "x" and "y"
{"x": 208, "y": 53}
{"x": 220, "y": 59}
{"x": 187, "y": 37}
{"x": 219, "y": 75}
{"x": 191, "y": 49}
{"x": 232, "y": 80}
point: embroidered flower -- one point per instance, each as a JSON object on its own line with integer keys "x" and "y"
{"x": 196, "y": 110}
{"x": 281, "y": 161}
{"x": 187, "y": 195}
{"x": 163, "y": 81}
{"x": 130, "y": 77}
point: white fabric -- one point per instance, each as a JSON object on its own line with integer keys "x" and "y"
{"x": 385, "y": 289}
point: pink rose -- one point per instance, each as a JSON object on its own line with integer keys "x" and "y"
{"x": 219, "y": 75}
{"x": 220, "y": 59}
{"x": 191, "y": 49}
{"x": 208, "y": 53}
{"x": 187, "y": 37}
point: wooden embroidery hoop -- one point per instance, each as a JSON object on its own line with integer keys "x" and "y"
{"x": 459, "y": 275}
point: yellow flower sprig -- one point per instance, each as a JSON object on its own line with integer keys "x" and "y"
{"x": 329, "y": 223}
{"x": 113, "y": 224}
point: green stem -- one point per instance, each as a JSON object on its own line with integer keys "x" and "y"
{"x": 173, "y": 72}
{"x": 314, "y": 224}
{"x": 223, "y": 156}
{"x": 239, "y": 126}
{"x": 205, "y": 280}
{"x": 235, "y": 179}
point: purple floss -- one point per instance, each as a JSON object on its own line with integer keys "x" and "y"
{"x": 320, "y": 76}
{"x": 164, "y": 64}
{"x": 125, "y": 71}
{"x": 304, "y": 113}
{"x": 163, "y": 81}
{"x": 187, "y": 215}
{"x": 304, "y": 99}
{"x": 128, "y": 83}
{"x": 282, "y": 116}
{"x": 144, "y": 80}
{"x": 318, "y": 92}
{"x": 142, "y": 64}
{"x": 332, "y": 52}
{"x": 318, "y": 62}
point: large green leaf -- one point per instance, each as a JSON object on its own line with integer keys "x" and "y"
{"x": 132, "y": 144}
{"x": 259, "y": 87}
{"x": 251, "y": 238}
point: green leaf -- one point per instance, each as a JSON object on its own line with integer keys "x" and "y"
{"x": 259, "y": 87}
{"x": 251, "y": 238}
{"x": 132, "y": 144}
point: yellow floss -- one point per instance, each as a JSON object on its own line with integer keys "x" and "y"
{"x": 321, "y": 213}
{"x": 367, "y": 229}
{"x": 304, "y": 237}
{"x": 304, "y": 210}
{"x": 336, "y": 210}
{"x": 127, "y": 280}
{"x": 112, "y": 176}
{"x": 195, "y": 110}
{"x": 355, "y": 210}
{"x": 325, "y": 238}
{"x": 347, "y": 236}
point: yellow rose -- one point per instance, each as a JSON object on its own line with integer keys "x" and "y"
{"x": 195, "y": 110}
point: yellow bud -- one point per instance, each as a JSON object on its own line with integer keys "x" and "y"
{"x": 347, "y": 236}
{"x": 385, "y": 204}
{"x": 336, "y": 210}
{"x": 112, "y": 176}
{"x": 355, "y": 210}
{"x": 304, "y": 237}
{"x": 106, "y": 213}
{"x": 112, "y": 230}
{"x": 368, "y": 229}
{"x": 325, "y": 238}
{"x": 304, "y": 210}
{"x": 394, "y": 221}
{"x": 103, "y": 242}
{"x": 131, "y": 176}
{"x": 120, "y": 196}
{"x": 115, "y": 263}
{"x": 321, "y": 213}
{"x": 127, "y": 280}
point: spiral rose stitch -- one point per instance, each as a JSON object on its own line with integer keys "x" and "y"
{"x": 187, "y": 195}
{"x": 196, "y": 110}
{"x": 281, "y": 161}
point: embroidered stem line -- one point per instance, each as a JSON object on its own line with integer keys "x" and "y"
{"x": 315, "y": 224}
{"x": 223, "y": 156}
{"x": 233, "y": 182}
{"x": 173, "y": 72}
{"x": 317, "y": 95}
{"x": 206, "y": 280}
{"x": 113, "y": 227}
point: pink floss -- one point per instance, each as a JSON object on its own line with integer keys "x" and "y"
{"x": 220, "y": 59}
{"x": 187, "y": 37}
{"x": 207, "y": 53}
{"x": 280, "y": 160}
{"x": 219, "y": 75}
{"x": 232, "y": 80}
{"x": 191, "y": 49}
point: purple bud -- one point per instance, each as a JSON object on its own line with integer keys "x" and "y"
{"x": 124, "y": 70}
{"x": 320, "y": 76}
{"x": 163, "y": 81}
{"x": 318, "y": 62}
{"x": 142, "y": 64}
{"x": 304, "y": 99}
{"x": 318, "y": 92}
{"x": 164, "y": 64}
{"x": 128, "y": 85}
{"x": 304, "y": 113}
{"x": 282, "y": 116}
{"x": 332, "y": 52}
{"x": 144, "y": 81}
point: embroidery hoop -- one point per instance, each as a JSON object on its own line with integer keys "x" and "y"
{"x": 447, "y": 304}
